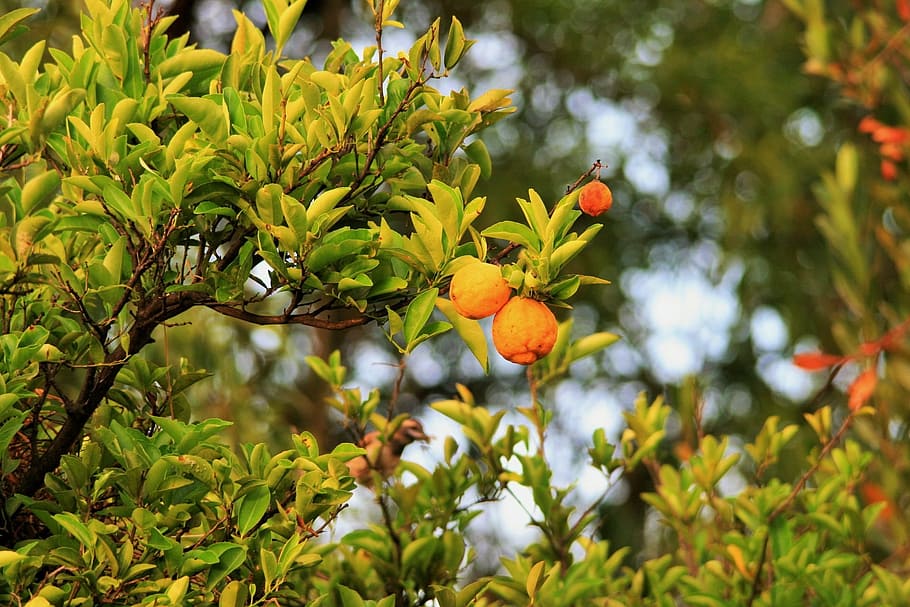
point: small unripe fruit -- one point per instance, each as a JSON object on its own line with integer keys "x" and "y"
{"x": 595, "y": 198}
{"x": 524, "y": 330}
{"x": 478, "y": 290}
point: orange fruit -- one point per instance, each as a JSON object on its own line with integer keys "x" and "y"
{"x": 524, "y": 330}
{"x": 595, "y": 198}
{"x": 478, "y": 290}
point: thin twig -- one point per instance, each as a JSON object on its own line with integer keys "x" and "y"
{"x": 378, "y": 27}
{"x": 535, "y": 407}
{"x": 595, "y": 167}
{"x": 308, "y": 320}
{"x": 396, "y": 387}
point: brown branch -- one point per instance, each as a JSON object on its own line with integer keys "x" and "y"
{"x": 309, "y": 320}
{"x": 396, "y": 387}
{"x": 383, "y": 132}
{"x": 143, "y": 265}
{"x": 378, "y": 27}
{"x": 595, "y": 168}
{"x": 314, "y": 162}
{"x": 97, "y": 384}
{"x": 238, "y": 239}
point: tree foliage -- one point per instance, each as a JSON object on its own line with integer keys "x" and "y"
{"x": 143, "y": 177}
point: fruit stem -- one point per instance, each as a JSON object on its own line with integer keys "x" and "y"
{"x": 594, "y": 170}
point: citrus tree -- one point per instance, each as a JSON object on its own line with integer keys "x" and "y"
{"x": 143, "y": 177}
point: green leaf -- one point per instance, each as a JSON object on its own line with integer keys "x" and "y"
{"x": 76, "y": 528}
{"x": 176, "y": 590}
{"x": 564, "y": 253}
{"x": 252, "y": 507}
{"x": 456, "y": 44}
{"x": 114, "y": 259}
{"x": 349, "y": 597}
{"x": 210, "y": 116}
{"x": 117, "y": 200}
{"x": 231, "y": 557}
{"x": 513, "y": 231}
{"x": 28, "y": 232}
{"x": 532, "y": 583}
{"x": 449, "y": 209}
{"x": 469, "y": 330}
{"x": 235, "y": 594}
{"x": 417, "y": 314}
{"x": 418, "y": 554}
{"x": 325, "y": 202}
{"x": 39, "y": 190}
{"x": 201, "y": 62}
{"x": 60, "y": 107}
{"x": 8, "y": 557}
{"x": 478, "y": 154}
{"x": 589, "y": 344}
{"x": 10, "y": 23}
{"x": 429, "y": 241}
{"x": 847, "y": 167}
{"x": 493, "y": 99}
{"x": 295, "y": 214}
{"x": 535, "y": 212}
{"x": 10, "y": 423}
{"x": 429, "y": 331}
{"x": 214, "y": 208}
{"x": 329, "y": 374}
{"x": 327, "y": 254}
{"x": 14, "y": 80}
{"x": 286, "y": 24}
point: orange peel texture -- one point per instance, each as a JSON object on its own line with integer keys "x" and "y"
{"x": 524, "y": 330}
{"x": 595, "y": 198}
{"x": 478, "y": 290}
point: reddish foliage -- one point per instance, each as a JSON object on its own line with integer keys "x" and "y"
{"x": 872, "y": 494}
{"x": 860, "y": 391}
{"x": 893, "y": 141}
{"x": 903, "y": 9}
{"x": 889, "y": 170}
{"x": 816, "y": 361}
{"x": 888, "y": 341}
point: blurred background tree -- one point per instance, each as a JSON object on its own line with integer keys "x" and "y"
{"x": 713, "y": 135}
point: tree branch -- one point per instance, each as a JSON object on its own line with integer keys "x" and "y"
{"x": 310, "y": 320}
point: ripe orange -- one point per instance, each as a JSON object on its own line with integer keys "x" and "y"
{"x": 595, "y": 198}
{"x": 478, "y": 290}
{"x": 524, "y": 330}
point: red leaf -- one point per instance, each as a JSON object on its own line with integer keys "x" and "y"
{"x": 892, "y": 151}
{"x": 888, "y": 341}
{"x": 861, "y": 389}
{"x": 869, "y": 124}
{"x": 895, "y": 335}
{"x": 890, "y": 134}
{"x": 870, "y": 348}
{"x": 816, "y": 361}
{"x": 903, "y": 9}
{"x": 872, "y": 494}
